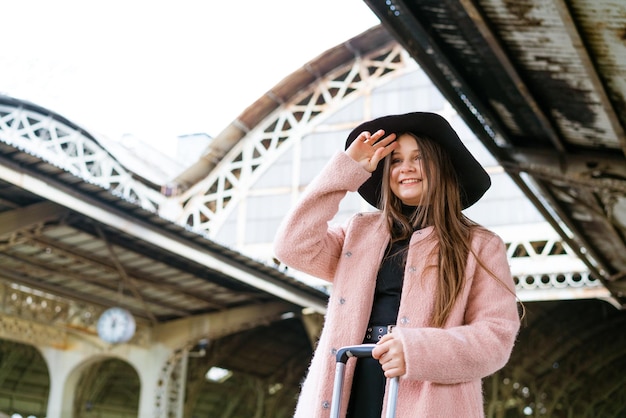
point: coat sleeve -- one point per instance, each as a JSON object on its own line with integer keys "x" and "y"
{"x": 304, "y": 240}
{"x": 483, "y": 343}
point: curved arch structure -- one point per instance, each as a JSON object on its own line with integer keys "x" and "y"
{"x": 205, "y": 205}
{"x": 53, "y": 138}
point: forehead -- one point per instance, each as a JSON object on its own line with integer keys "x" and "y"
{"x": 407, "y": 143}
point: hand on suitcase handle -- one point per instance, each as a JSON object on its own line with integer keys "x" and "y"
{"x": 358, "y": 351}
{"x": 392, "y": 368}
{"x": 390, "y": 354}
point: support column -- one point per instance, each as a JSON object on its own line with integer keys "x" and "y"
{"x": 63, "y": 382}
{"x": 150, "y": 366}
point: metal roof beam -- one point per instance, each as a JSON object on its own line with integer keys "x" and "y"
{"x": 590, "y": 69}
{"x": 498, "y": 51}
{"x": 188, "y": 331}
{"x": 163, "y": 239}
{"x": 420, "y": 44}
{"x": 23, "y": 218}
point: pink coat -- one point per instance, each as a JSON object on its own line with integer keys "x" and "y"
{"x": 444, "y": 366}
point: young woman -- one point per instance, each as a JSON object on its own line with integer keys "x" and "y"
{"x": 418, "y": 263}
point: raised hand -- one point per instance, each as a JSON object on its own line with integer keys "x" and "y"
{"x": 369, "y": 149}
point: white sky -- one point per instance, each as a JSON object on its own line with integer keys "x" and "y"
{"x": 156, "y": 69}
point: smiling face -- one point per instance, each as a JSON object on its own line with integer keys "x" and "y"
{"x": 407, "y": 177}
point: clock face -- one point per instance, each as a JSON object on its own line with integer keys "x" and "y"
{"x": 116, "y": 325}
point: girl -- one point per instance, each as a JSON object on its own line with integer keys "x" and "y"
{"x": 418, "y": 263}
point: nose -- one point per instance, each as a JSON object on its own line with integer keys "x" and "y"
{"x": 407, "y": 166}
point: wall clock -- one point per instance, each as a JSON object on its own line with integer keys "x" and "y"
{"x": 116, "y": 325}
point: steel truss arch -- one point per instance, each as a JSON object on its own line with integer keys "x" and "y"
{"x": 544, "y": 267}
{"x": 206, "y": 205}
{"x": 54, "y": 139}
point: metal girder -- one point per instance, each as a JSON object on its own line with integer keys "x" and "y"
{"x": 53, "y": 138}
{"x": 591, "y": 71}
{"x": 206, "y": 205}
{"x": 188, "y": 331}
{"x": 24, "y": 218}
{"x": 517, "y": 82}
{"x": 537, "y": 75}
{"x": 160, "y": 237}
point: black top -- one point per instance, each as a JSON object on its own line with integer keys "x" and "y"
{"x": 389, "y": 285}
{"x": 389, "y": 280}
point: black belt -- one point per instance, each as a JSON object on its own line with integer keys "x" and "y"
{"x": 375, "y": 332}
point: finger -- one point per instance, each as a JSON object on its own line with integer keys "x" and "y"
{"x": 389, "y": 366}
{"x": 383, "y": 141}
{"x": 381, "y": 153}
{"x": 394, "y": 368}
{"x": 378, "y": 352}
{"x": 364, "y": 136}
{"x": 377, "y": 135}
{"x": 391, "y": 373}
{"x": 385, "y": 148}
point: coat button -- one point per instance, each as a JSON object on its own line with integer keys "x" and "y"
{"x": 412, "y": 269}
{"x": 404, "y": 320}
{"x": 342, "y": 301}
{"x": 333, "y": 351}
{"x": 349, "y": 254}
{"x": 325, "y": 404}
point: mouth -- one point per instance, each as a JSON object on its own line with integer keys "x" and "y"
{"x": 410, "y": 181}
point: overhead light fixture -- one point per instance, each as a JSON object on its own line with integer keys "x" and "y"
{"x": 273, "y": 389}
{"x": 218, "y": 374}
{"x": 288, "y": 315}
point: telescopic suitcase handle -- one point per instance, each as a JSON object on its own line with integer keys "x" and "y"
{"x": 358, "y": 351}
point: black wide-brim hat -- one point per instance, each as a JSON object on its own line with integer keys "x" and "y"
{"x": 473, "y": 179}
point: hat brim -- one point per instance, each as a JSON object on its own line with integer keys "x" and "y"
{"x": 473, "y": 179}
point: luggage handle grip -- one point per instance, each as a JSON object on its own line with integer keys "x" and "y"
{"x": 358, "y": 351}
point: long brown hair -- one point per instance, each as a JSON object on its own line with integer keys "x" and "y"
{"x": 441, "y": 208}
